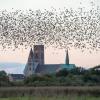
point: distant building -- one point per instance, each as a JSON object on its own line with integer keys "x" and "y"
{"x": 35, "y": 63}
{"x": 16, "y": 77}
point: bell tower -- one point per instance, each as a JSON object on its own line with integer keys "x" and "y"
{"x": 39, "y": 54}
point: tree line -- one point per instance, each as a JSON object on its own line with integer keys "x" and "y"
{"x": 75, "y": 77}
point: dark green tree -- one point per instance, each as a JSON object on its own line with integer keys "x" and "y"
{"x": 4, "y": 80}
{"x": 63, "y": 72}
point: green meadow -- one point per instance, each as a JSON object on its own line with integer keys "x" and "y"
{"x": 71, "y": 97}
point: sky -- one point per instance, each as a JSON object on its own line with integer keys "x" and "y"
{"x": 44, "y": 4}
{"x": 52, "y": 55}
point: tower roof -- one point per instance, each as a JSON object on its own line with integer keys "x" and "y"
{"x": 30, "y": 64}
{"x": 67, "y": 57}
{"x": 30, "y": 58}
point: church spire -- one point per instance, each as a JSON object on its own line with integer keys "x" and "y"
{"x": 67, "y": 57}
{"x": 30, "y": 58}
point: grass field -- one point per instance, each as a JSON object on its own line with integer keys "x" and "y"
{"x": 50, "y": 93}
{"x": 54, "y": 98}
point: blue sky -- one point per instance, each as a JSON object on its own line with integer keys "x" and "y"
{"x": 15, "y": 68}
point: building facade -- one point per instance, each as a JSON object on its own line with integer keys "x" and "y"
{"x": 16, "y": 77}
{"x": 36, "y": 65}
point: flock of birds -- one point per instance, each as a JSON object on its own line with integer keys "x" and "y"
{"x": 63, "y": 29}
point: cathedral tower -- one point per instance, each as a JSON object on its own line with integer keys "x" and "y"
{"x": 39, "y": 54}
{"x": 67, "y": 58}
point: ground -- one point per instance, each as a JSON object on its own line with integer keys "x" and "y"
{"x": 54, "y": 98}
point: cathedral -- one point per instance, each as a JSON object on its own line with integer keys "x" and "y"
{"x": 36, "y": 65}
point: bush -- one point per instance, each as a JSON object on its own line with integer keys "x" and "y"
{"x": 4, "y": 80}
{"x": 63, "y": 72}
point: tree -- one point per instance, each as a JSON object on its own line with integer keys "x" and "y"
{"x": 77, "y": 71}
{"x": 3, "y": 78}
{"x": 62, "y": 72}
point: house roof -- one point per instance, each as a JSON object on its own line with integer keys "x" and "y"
{"x": 52, "y": 68}
{"x": 17, "y": 76}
